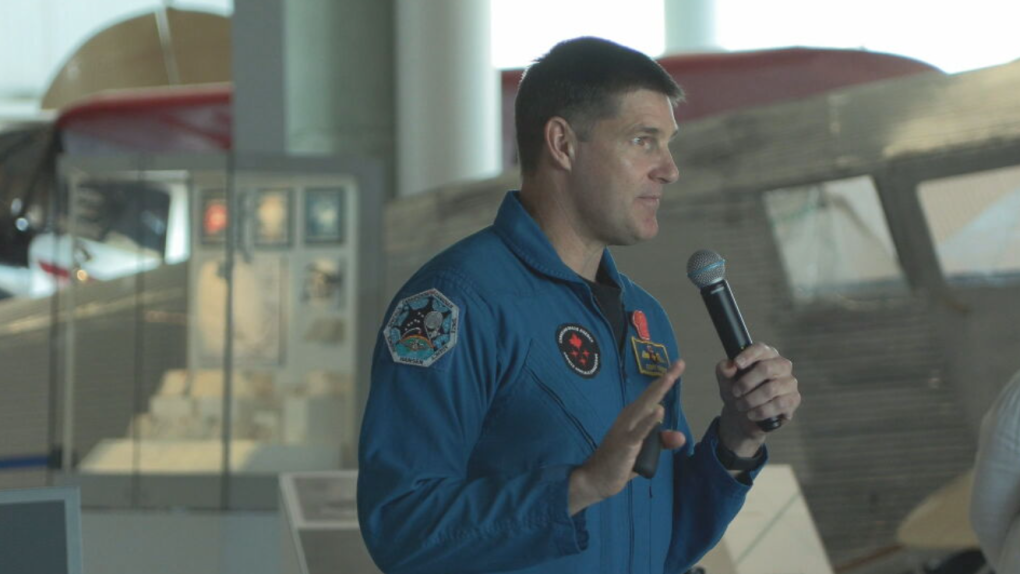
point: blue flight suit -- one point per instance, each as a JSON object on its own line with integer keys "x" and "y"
{"x": 494, "y": 376}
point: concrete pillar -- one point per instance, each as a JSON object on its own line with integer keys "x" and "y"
{"x": 314, "y": 77}
{"x": 690, "y": 26}
{"x": 340, "y": 83}
{"x": 448, "y": 107}
{"x": 257, "y": 65}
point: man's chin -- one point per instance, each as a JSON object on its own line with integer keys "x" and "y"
{"x": 648, "y": 232}
{"x": 638, "y": 237}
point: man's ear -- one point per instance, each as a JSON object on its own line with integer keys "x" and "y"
{"x": 560, "y": 142}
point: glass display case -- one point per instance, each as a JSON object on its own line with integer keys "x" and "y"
{"x": 217, "y": 314}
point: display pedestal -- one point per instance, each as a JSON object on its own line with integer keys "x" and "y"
{"x": 320, "y": 533}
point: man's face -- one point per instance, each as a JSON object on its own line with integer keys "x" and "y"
{"x": 621, "y": 169}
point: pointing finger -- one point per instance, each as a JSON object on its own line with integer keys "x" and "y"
{"x": 659, "y": 387}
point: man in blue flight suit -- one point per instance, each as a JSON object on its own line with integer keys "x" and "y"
{"x": 518, "y": 372}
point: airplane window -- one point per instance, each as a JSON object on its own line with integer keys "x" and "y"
{"x": 133, "y": 213}
{"x": 974, "y": 221}
{"x": 834, "y": 241}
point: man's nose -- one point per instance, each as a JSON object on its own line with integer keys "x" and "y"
{"x": 668, "y": 172}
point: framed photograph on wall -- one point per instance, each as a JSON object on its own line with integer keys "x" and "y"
{"x": 272, "y": 218}
{"x": 324, "y": 215}
{"x": 323, "y": 284}
{"x": 214, "y": 217}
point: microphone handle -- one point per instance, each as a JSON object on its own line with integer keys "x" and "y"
{"x": 648, "y": 459}
{"x": 732, "y": 330}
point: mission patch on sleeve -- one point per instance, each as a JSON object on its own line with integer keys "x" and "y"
{"x": 422, "y": 329}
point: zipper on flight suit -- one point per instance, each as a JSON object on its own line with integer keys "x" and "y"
{"x": 623, "y": 396}
{"x": 630, "y": 485}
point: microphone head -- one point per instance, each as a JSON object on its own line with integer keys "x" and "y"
{"x": 706, "y": 267}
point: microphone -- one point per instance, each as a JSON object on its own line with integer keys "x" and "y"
{"x": 647, "y": 461}
{"x": 707, "y": 270}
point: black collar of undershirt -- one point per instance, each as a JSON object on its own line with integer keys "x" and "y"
{"x": 609, "y": 297}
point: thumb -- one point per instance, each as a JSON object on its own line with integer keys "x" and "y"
{"x": 672, "y": 439}
{"x": 727, "y": 368}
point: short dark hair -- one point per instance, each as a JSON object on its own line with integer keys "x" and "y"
{"x": 580, "y": 80}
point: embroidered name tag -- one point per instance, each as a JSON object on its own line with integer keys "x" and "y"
{"x": 652, "y": 358}
{"x": 422, "y": 329}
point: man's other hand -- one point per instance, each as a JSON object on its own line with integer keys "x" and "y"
{"x": 758, "y": 384}
{"x": 611, "y": 467}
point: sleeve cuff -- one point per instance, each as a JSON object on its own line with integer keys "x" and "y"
{"x": 574, "y": 537}
{"x": 746, "y": 478}
{"x": 581, "y": 530}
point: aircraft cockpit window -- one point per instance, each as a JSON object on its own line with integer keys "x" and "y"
{"x": 131, "y": 214}
{"x": 974, "y": 220}
{"x": 834, "y": 241}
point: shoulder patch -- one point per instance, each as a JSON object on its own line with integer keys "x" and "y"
{"x": 422, "y": 329}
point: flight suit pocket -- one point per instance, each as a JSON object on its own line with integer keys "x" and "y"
{"x": 568, "y": 395}
{"x": 555, "y": 387}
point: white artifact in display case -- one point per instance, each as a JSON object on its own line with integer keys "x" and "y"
{"x": 275, "y": 426}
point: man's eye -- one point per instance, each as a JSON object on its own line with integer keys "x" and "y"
{"x": 645, "y": 142}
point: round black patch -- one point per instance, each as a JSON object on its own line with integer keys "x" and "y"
{"x": 579, "y": 350}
